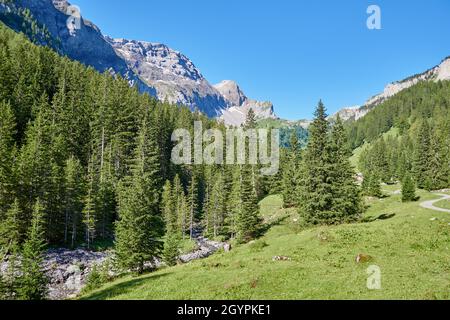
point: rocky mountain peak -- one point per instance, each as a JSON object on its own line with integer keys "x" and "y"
{"x": 350, "y": 113}
{"x": 155, "y": 68}
{"x": 231, "y": 92}
{"x": 172, "y": 64}
{"x": 438, "y": 73}
{"x": 61, "y": 5}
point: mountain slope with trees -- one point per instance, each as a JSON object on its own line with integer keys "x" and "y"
{"x": 419, "y": 120}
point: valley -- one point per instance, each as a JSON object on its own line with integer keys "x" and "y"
{"x": 410, "y": 247}
{"x": 97, "y": 203}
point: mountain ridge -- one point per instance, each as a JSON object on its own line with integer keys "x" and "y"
{"x": 155, "y": 68}
{"x": 440, "y": 72}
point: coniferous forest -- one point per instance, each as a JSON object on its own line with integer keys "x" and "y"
{"x": 86, "y": 159}
{"x": 85, "y": 162}
{"x": 407, "y": 135}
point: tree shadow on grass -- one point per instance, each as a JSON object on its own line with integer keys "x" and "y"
{"x": 123, "y": 287}
{"x": 383, "y": 216}
{"x": 267, "y": 226}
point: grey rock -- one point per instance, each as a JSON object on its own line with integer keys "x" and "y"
{"x": 155, "y": 68}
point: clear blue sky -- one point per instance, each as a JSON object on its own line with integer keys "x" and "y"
{"x": 290, "y": 52}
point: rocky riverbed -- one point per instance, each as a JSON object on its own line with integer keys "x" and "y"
{"x": 68, "y": 270}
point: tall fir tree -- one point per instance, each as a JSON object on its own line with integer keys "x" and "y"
{"x": 316, "y": 195}
{"x": 33, "y": 280}
{"x": 347, "y": 201}
{"x": 217, "y": 205}
{"x": 248, "y": 221}
{"x": 422, "y": 156}
{"x": 408, "y": 189}
{"x": 234, "y": 203}
{"x": 10, "y": 226}
{"x": 329, "y": 194}
{"x": 89, "y": 213}
{"x": 7, "y": 150}
{"x": 290, "y": 176}
{"x": 74, "y": 194}
{"x": 140, "y": 226}
{"x": 192, "y": 201}
{"x": 173, "y": 236}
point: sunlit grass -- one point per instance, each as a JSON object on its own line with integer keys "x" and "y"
{"x": 410, "y": 247}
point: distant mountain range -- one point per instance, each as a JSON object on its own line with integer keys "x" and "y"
{"x": 438, "y": 73}
{"x": 155, "y": 68}
{"x": 159, "y": 70}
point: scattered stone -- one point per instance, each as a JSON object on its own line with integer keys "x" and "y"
{"x": 322, "y": 236}
{"x": 68, "y": 270}
{"x": 362, "y": 258}
{"x": 433, "y": 219}
{"x": 281, "y": 258}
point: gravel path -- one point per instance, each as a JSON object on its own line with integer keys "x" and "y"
{"x": 430, "y": 204}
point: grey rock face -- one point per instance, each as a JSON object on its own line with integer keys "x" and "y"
{"x": 241, "y": 105}
{"x": 172, "y": 74}
{"x": 438, "y": 73}
{"x": 85, "y": 44}
{"x": 235, "y": 116}
{"x": 155, "y": 68}
{"x": 231, "y": 92}
{"x": 350, "y": 113}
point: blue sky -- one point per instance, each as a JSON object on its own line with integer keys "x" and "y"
{"x": 290, "y": 52}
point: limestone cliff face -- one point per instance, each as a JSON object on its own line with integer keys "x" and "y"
{"x": 173, "y": 75}
{"x": 439, "y": 73}
{"x": 154, "y": 67}
{"x": 241, "y": 105}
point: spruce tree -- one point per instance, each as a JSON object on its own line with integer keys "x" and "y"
{"x": 7, "y": 133}
{"x": 168, "y": 207}
{"x": 422, "y": 156}
{"x": 89, "y": 219}
{"x": 173, "y": 236}
{"x": 192, "y": 200}
{"x": 347, "y": 200}
{"x": 438, "y": 162}
{"x": 316, "y": 187}
{"x": 234, "y": 203}
{"x": 74, "y": 192}
{"x": 408, "y": 189}
{"x": 250, "y": 120}
{"x": 33, "y": 281}
{"x": 180, "y": 205}
{"x": 217, "y": 205}
{"x": 290, "y": 175}
{"x": 33, "y": 169}
{"x": 140, "y": 226}
{"x": 248, "y": 221}
{"x": 105, "y": 205}
{"x": 10, "y": 226}
{"x": 374, "y": 186}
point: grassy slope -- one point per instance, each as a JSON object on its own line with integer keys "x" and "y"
{"x": 445, "y": 204}
{"x": 412, "y": 251}
{"x": 354, "y": 159}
